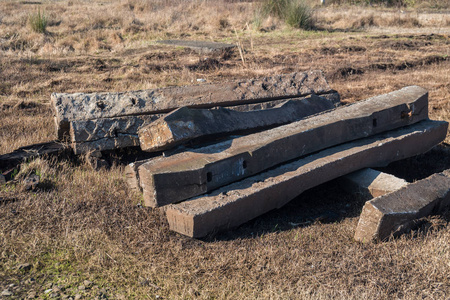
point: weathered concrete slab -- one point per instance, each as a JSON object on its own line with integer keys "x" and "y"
{"x": 114, "y": 133}
{"x": 131, "y": 170}
{"x": 370, "y": 183}
{"x": 237, "y": 203}
{"x": 332, "y": 96}
{"x": 185, "y": 124}
{"x": 107, "y": 134}
{"x": 200, "y": 46}
{"x": 88, "y": 106}
{"x": 188, "y": 174}
{"x": 396, "y": 213}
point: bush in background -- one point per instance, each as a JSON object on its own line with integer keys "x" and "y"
{"x": 38, "y": 22}
{"x": 296, "y": 13}
{"x": 299, "y": 15}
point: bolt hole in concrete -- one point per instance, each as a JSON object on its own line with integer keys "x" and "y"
{"x": 244, "y": 164}
{"x": 375, "y": 122}
{"x": 101, "y": 105}
{"x": 406, "y": 114}
{"x": 209, "y": 176}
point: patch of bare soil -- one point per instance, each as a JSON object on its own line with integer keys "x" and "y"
{"x": 400, "y": 66}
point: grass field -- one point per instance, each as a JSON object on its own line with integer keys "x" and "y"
{"x": 85, "y": 235}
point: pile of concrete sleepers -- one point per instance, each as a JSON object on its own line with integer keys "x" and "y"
{"x": 236, "y": 150}
{"x": 106, "y": 121}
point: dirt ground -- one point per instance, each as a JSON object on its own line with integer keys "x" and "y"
{"x": 84, "y": 234}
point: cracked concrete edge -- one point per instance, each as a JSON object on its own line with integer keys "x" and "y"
{"x": 396, "y": 213}
{"x": 370, "y": 183}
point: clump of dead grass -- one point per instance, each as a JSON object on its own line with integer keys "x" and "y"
{"x": 399, "y": 20}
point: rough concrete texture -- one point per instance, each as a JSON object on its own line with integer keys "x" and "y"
{"x": 185, "y": 124}
{"x": 81, "y": 106}
{"x": 191, "y": 173}
{"x": 370, "y": 183}
{"x": 113, "y": 133}
{"x": 131, "y": 174}
{"x": 332, "y": 96}
{"x": 396, "y": 213}
{"x": 200, "y": 46}
{"x": 242, "y": 201}
{"x": 107, "y": 134}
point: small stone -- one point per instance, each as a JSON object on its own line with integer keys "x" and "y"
{"x": 6, "y": 293}
{"x": 31, "y": 182}
{"x": 48, "y": 291}
{"x": 81, "y": 288}
{"x": 12, "y": 285}
{"x": 54, "y": 295}
{"x": 77, "y": 297}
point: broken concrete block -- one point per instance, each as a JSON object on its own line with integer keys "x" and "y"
{"x": 131, "y": 170}
{"x": 107, "y": 134}
{"x": 185, "y": 123}
{"x": 237, "y": 203}
{"x": 181, "y": 176}
{"x": 203, "y": 47}
{"x": 131, "y": 174}
{"x": 81, "y": 106}
{"x": 370, "y": 183}
{"x": 31, "y": 182}
{"x": 114, "y": 133}
{"x": 396, "y": 213}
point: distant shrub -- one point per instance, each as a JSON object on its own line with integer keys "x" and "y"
{"x": 296, "y": 13}
{"x": 38, "y": 22}
{"x": 300, "y": 15}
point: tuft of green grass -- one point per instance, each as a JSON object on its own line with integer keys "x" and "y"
{"x": 296, "y": 13}
{"x": 38, "y": 22}
{"x": 299, "y": 15}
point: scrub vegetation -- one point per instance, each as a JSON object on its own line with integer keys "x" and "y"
{"x": 82, "y": 232}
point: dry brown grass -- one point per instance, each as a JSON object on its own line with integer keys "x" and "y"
{"x": 83, "y": 224}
